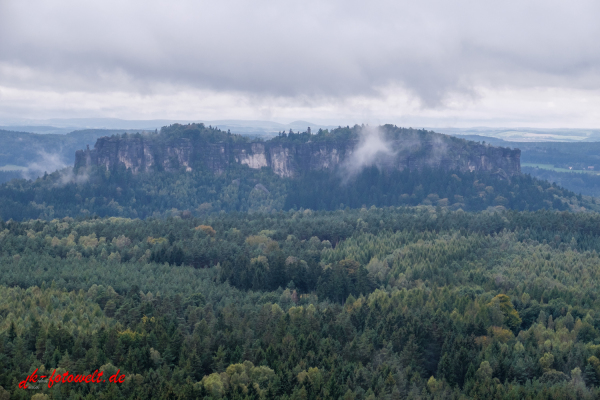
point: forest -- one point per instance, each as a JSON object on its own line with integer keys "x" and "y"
{"x": 382, "y": 302}
{"x": 119, "y": 193}
{"x": 576, "y": 155}
{"x": 587, "y": 183}
{"x": 423, "y": 284}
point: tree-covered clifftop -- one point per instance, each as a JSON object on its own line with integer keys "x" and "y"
{"x": 196, "y": 147}
{"x": 122, "y": 177}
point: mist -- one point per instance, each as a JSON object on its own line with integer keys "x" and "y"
{"x": 54, "y": 162}
{"x": 373, "y": 148}
{"x": 45, "y": 163}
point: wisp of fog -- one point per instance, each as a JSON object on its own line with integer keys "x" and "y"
{"x": 46, "y": 162}
{"x": 51, "y": 162}
{"x": 372, "y": 148}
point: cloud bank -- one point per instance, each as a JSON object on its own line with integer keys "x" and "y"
{"x": 274, "y": 59}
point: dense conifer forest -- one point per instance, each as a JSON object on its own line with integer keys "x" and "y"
{"x": 380, "y": 302}
{"x": 121, "y": 194}
{"x": 578, "y": 182}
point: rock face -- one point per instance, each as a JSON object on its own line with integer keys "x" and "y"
{"x": 290, "y": 158}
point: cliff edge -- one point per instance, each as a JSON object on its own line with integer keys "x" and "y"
{"x": 196, "y": 146}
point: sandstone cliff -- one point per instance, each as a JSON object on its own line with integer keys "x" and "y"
{"x": 193, "y": 147}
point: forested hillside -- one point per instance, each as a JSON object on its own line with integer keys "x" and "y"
{"x": 372, "y": 303}
{"x": 578, "y": 182}
{"x": 578, "y": 156}
{"x": 178, "y": 180}
{"x": 120, "y": 193}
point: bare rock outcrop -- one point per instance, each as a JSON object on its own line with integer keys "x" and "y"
{"x": 412, "y": 149}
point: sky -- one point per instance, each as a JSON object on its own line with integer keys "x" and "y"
{"x": 419, "y": 63}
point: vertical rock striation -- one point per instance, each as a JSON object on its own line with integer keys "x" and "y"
{"x": 408, "y": 149}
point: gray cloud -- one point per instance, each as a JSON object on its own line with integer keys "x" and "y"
{"x": 433, "y": 49}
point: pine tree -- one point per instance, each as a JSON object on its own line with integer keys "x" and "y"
{"x": 12, "y": 331}
{"x": 590, "y": 376}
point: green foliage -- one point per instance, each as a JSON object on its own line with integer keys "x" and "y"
{"x": 378, "y": 303}
{"x": 455, "y": 190}
{"x": 119, "y": 193}
{"x": 584, "y": 183}
{"x": 196, "y": 193}
{"x": 576, "y": 155}
{"x": 511, "y": 316}
{"x": 199, "y": 132}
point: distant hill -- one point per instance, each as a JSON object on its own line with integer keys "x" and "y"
{"x": 528, "y": 134}
{"x": 40, "y": 129}
{"x": 255, "y": 128}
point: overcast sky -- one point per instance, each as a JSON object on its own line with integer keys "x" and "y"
{"x": 419, "y": 63}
